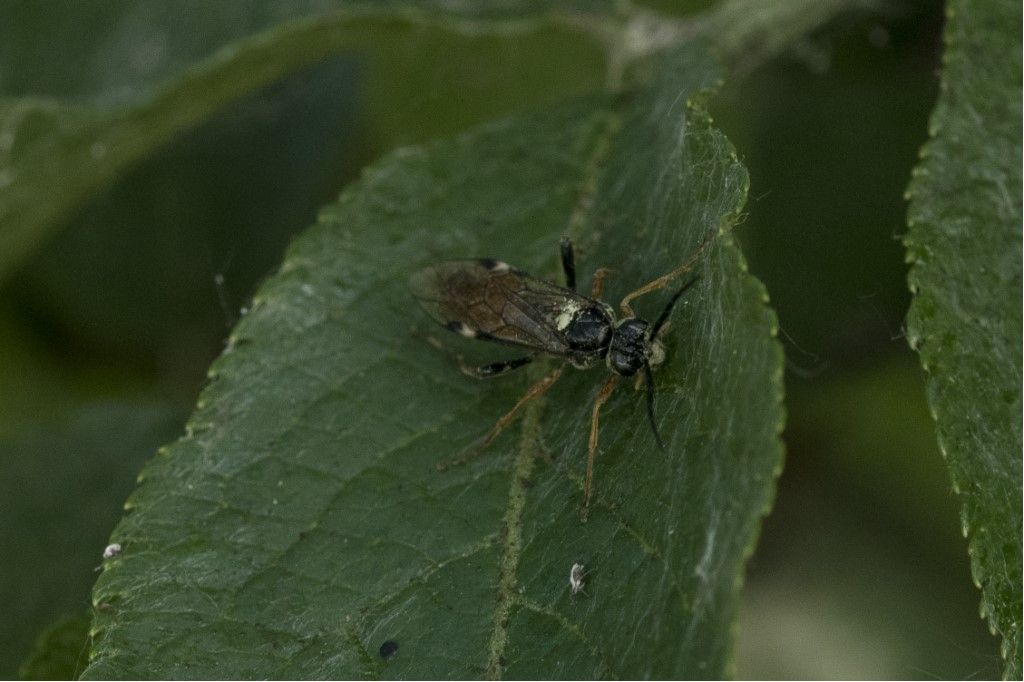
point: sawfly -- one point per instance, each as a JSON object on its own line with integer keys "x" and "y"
{"x": 490, "y": 300}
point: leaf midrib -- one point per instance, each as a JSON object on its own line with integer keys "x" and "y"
{"x": 530, "y": 432}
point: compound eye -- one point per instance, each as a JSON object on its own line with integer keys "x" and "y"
{"x": 589, "y": 330}
{"x": 625, "y": 363}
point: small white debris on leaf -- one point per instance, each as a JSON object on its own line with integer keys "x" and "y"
{"x": 576, "y": 578}
{"x": 111, "y": 551}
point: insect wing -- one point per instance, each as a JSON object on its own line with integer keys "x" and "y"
{"x": 494, "y": 301}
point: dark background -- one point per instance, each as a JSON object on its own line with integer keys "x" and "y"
{"x": 862, "y": 571}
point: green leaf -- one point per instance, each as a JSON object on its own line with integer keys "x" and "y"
{"x": 62, "y": 488}
{"x": 964, "y": 245}
{"x": 302, "y": 523}
{"x": 420, "y": 77}
{"x": 60, "y": 653}
{"x": 118, "y": 51}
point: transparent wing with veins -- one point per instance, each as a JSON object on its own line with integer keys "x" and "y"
{"x": 493, "y": 301}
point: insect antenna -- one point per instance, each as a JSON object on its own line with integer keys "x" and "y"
{"x": 668, "y": 309}
{"x": 648, "y": 375}
{"x": 649, "y": 380}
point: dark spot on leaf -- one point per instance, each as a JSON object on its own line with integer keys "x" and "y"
{"x": 388, "y": 648}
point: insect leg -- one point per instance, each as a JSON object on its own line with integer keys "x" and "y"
{"x": 597, "y": 284}
{"x": 497, "y": 368}
{"x": 568, "y": 263}
{"x": 660, "y": 283}
{"x": 602, "y": 398}
{"x": 537, "y": 390}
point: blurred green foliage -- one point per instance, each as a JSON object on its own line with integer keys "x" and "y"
{"x": 156, "y": 268}
{"x": 865, "y": 524}
{"x": 64, "y": 480}
{"x": 60, "y": 653}
{"x": 107, "y": 330}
